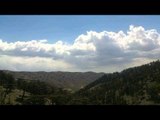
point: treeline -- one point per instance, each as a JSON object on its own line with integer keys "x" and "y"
{"x": 30, "y": 92}
{"x": 138, "y": 85}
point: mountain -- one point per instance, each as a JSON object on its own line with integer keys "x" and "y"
{"x": 68, "y": 80}
{"x": 30, "y": 92}
{"x": 137, "y": 85}
{"x": 134, "y": 86}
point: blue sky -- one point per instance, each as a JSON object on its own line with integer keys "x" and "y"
{"x": 78, "y": 42}
{"x": 67, "y": 27}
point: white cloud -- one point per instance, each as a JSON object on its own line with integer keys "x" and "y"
{"x": 99, "y": 51}
{"x": 32, "y": 64}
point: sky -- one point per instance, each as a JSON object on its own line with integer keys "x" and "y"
{"x": 78, "y": 43}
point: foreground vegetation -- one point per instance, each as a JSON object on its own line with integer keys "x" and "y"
{"x": 29, "y": 92}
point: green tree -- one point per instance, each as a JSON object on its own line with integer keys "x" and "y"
{"x": 8, "y": 84}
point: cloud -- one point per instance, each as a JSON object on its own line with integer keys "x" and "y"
{"x": 32, "y": 64}
{"x": 140, "y": 39}
{"x": 99, "y": 51}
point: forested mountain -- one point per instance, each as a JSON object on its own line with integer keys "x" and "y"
{"x": 137, "y": 85}
{"x": 133, "y": 86}
{"x": 68, "y": 80}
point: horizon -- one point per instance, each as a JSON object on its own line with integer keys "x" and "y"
{"x": 85, "y": 71}
{"x": 78, "y": 43}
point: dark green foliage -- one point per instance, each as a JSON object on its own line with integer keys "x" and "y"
{"x": 35, "y": 100}
{"x": 38, "y": 88}
{"x": 154, "y": 92}
{"x": 39, "y": 92}
{"x": 138, "y": 85}
{"x": 34, "y": 92}
{"x": 8, "y": 83}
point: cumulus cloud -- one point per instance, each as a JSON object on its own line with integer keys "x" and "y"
{"x": 98, "y": 51}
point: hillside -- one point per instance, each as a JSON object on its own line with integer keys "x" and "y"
{"x": 30, "y": 92}
{"x": 68, "y": 80}
{"x": 133, "y": 86}
{"x": 138, "y": 85}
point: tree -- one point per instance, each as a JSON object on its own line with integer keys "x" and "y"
{"x": 22, "y": 85}
{"x": 35, "y": 100}
{"x": 154, "y": 92}
{"x": 8, "y": 84}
